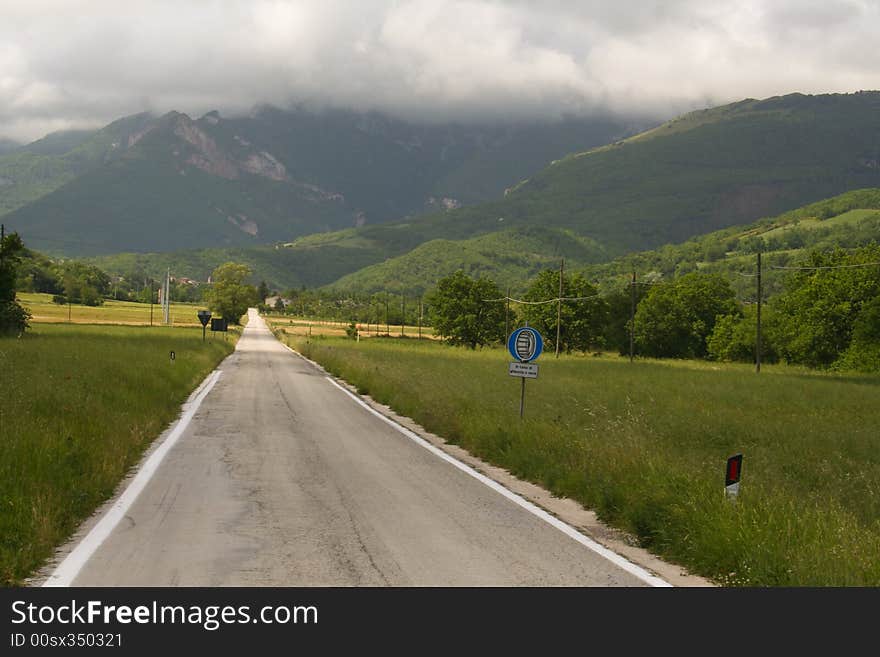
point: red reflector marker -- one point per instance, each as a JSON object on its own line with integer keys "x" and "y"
{"x": 733, "y": 474}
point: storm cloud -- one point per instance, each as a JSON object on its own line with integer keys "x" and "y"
{"x": 79, "y": 63}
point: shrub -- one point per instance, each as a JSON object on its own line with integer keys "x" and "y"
{"x": 13, "y": 318}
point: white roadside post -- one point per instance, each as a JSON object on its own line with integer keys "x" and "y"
{"x": 732, "y": 475}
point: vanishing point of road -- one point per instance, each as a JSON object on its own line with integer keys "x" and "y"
{"x": 282, "y": 479}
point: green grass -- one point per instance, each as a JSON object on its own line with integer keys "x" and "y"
{"x": 80, "y": 405}
{"x": 111, "y": 312}
{"x": 847, "y": 219}
{"x": 645, "y": 444}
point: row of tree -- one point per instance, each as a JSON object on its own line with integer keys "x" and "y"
{"x": 72, "y": 281}
{"x": 79, "y": 282}
{"x": 828, "y": 314}
{"x": 381, "y": 308}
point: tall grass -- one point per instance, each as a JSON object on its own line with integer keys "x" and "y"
{"x": 79, "y": 405}
{"x": 645, "y": 445}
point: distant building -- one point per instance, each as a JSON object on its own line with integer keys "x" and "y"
{"x": 186, "y": 281}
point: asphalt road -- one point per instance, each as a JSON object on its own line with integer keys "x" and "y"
{"x": 281, "y": 479}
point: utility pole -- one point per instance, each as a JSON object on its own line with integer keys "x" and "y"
{"x": 758, "y": 332}
{"x": 387, "y": 325}
{"x": 151, "y": 302}
{"x": 420, "y": 318}
{"x": 559, "y": 307}
{"x": 507, "y": 315}
{"x": 166, "y": 299}
{"x": 632, "y": 316}
{"x": 402, "y": 315}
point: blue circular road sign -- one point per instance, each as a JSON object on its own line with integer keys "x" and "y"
{"x": 525, "y": 344}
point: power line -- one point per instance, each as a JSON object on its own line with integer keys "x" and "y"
{"x": 866, "y": 264}
{"x": 540, "y": 303}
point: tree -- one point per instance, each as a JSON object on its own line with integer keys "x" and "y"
{"x": 582, "y": 321}
{"x": 37, "y": 273}
{"x": 85, "y": 284}
{"x": 675, "y": 319}
{"x": 819, "y": 308}
{"x": 615, "y": 333}
{"x": 230, "y": 296}
{"x": 13, "y": 316}
{"x": 263, "y": 291}
{"x": 734, "y": 337}
{"x": 863, "y": 352}
{"x": 460, "y": 313}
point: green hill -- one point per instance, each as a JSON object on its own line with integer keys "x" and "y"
{"x": 513, "y": 256}
{"x": 710, "y": 169}
{"x": 849, "y": 221}
{"x": 350, "y": 261}
{"x": 509, "y": 257}
{"x": 707, "y": 170}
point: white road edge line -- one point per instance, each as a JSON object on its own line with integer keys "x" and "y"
{"x": 619, "y": 561}
{"x": 68, "y": 569}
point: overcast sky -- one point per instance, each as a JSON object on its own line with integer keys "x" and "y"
{"x": 82, "y": 63}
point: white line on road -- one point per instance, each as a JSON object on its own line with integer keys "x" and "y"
{"x": 68, "y": 569}
{"x": 567, "y": 529}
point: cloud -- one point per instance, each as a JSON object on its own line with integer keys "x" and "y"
{"x": 72, "y": 63}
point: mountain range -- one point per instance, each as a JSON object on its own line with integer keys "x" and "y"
{"x": 412, "y": 206}
{"x": 146, "y": 183}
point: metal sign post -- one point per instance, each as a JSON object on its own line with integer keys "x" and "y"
{"x": 204, "y": 317}
{"x": 525, "y": 344}
{"x": 220, "y": 324}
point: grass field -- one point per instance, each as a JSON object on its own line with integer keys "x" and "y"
{"x": 111, "y": 312}
{"x": 645, "y": 445}
{"x": 80, "y": 405}
{"x": 299, "y": 327}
